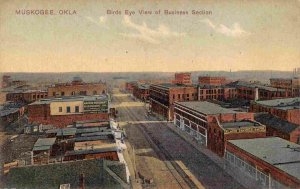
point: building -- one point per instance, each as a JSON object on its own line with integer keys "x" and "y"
{"x": 270, "y": 162}
{"x": 287, "y": 109}
{"x": 11, "y": 112}
{"x": 279, "y": 127}
{"x": 292, "y": 85}
{"x": 63, "y": 111}
{"x": 212, "y": 125}
{"x": 88, "y": 174}
{"x": 77, "y": 87}
{"x": 216, "y": 92}
{"x": 252, "y": 91}
{"x": 42, "y": 150}
{"x": 163, "y": 96}
{"x": 141, "y": 91}
{"x": 208, "y": 80}
{"x": 26, "y": 96}
{"x": 6, "y": 81}
{"x": 183, "y": 78}
{"x": 129, "y": 86}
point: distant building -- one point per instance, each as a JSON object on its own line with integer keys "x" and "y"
{"x": 183, "y": 78}
{"x": 77, "y": 87}
{"x": 216, "y": 92}
{"x": 279, "y": 127}
{"x": 129, "y": 86}
{"x": 251, "y": 91}
{"x": 270, "y": 162}
{"x": 63, "y": 111}
{"x": 212, "y": 125}
{"x": 163, "y": 96}
{"x": 26, "y": 96}
{"x": 287, "y": 109}
{"x": 290, "y": 84}
{"x": 141, "y": 91}
{"x": 208, "y": 80}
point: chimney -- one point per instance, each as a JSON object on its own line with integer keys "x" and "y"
{"x": 256, "y": 94}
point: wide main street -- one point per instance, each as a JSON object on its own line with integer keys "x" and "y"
{"x": 157, "y": 153}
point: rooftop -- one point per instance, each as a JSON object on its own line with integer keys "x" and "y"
{"x": 275, "y": 122}
{"x": 97, "y": 173}
{"x": 71, "y": 98}
{"x": 253, "y": 85}
{"x": 171, "y": 85}
{"x": 238, "y": 124}
{"x": 43, "y": 144}
{"x": 283, "y": 103}
{"x": 278, "y": 152}
{"x": 94, "y": 151}
{"x": 205, "y": 107}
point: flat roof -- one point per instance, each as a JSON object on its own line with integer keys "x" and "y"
{"x": 205, "y": 107}
{"x": 171, "y": 85}
{"x": 94, "y": 151}
{"x": 276, "y": 151}
{"x": 70, "y": 99}
{"x": 237, "y": 124}
{"x": 43, "y": 144}
{"x": 254, "y": 85}
{"x": 282, "y": 103}
{"x": 275, "y": 122}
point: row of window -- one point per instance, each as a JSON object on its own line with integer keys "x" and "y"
{"x": 68, "y": 109}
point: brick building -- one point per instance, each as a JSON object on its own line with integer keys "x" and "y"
{"x": 279, "y": 127}
{"x": 216, "y": 92}
{"x": 269, "y": 162}
{"x": 292, "y": 85}
{"x": 26, "y": 96}
{"x": 212, "y": 125}
{"x": 287, "y": 109}
{"x": 163, "y": 96}
{"x": 252, "y": 91}
{"x": 63, "y": 111}
{"x": 208, "y": 80}
{"x": 129, "y": 86}
{"x": 183, "y": 78}
{"x": 141, "y": 91}
{"x": 77, "y": 87}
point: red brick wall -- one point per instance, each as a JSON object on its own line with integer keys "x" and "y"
{"x": 211, "y": 80}
{"x": 265, "y": 167}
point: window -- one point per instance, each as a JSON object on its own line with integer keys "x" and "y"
{"x": 54, "y": 94}
{"x": 94, "y": 92}
{"x": 73, "y": 93}
{"x": 82, "y": 92}
{"x": 60, "y": 109}
{"x": 68, "y": 109}
{"x": 62, "y": 93}
{"x": 76, "y": 109}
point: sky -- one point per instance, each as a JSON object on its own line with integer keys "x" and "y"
{"x": 234, "y": 35}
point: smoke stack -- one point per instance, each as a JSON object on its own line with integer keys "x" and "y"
{"x": 256, "y": 94}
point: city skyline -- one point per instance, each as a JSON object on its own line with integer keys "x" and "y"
{"x": 234, "y": 35}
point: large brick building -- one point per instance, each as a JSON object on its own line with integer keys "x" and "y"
{"x": 269, "y": 162}
{"x": 77, "y": 87}
{"x": 287, "y": 109}
{"x": 163, "y": 96}
{"x": 26, "y": 96}
{"x": 216, "y": 92}
{"x": 279, "y": 127}
{"x": 292, "y": 85}
{"x": 208, "y": 80}
{"x": 212, "y": 125}
{"x": 183, "y": 78}
{"x": 141, "y": 91}
{"x": 63, "y": 111}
